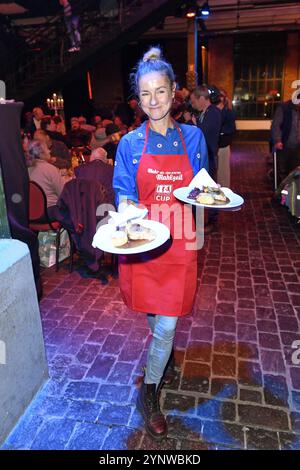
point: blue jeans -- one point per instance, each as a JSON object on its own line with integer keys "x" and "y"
{"x": 72, "y": 24}
{"x": 163, "y": 330}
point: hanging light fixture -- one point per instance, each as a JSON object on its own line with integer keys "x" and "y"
{"x": 191, "y": 10}
{"x": 205, "y": 10}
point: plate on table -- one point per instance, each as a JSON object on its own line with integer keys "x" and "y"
{"x": 232, "y": 199}
{"x": 103, "y": 239}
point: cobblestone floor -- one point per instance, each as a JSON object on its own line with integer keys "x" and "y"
{"x": 237, "y": 387}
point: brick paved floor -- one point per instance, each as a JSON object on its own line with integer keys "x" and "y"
{"x": 237, "y": 387}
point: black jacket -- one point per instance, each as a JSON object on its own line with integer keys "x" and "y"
{"x": 287, "y": 109}
{"x": 210, "y": 123}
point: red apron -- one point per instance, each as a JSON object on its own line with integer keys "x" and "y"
{"x": 162, "y": 281}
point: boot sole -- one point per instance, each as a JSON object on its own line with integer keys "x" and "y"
{"x": 156, "y": 437}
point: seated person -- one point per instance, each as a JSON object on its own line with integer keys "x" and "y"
{"x": 60, "y": 154}
{"x": 78, "y": 137}
{"x": 121, "y": 125}
{"x": 96, "y": 120}
{"x": 84, "y": 125}
{"x": 113, "y": 132}
{"x": 98, "y": 169}
{"x": 45, "y": 175}
{"x": 100, "y": 154}
{"x": 60, "y": 124}
{"x": 49, "y": 125}
{"x": 99, "y": 138}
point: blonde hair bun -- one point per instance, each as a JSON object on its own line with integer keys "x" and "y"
{"x": 153, "y": 54}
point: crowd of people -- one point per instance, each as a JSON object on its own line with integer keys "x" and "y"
{"x": 208, "y": 108}
{"x": 205, "y": 107}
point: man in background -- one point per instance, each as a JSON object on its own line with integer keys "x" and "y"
{"x": 33, "y": 120}
{"x": 209, "y": 121}
{"x": 77, "y": 137}
{"x": 285, "y": 132}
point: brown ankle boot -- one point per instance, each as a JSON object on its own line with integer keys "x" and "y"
{"x": 148, "y": 406}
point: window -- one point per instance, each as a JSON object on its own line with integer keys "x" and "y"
{"x": 258, "y": 71}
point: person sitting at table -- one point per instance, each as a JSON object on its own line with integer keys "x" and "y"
{"x": 60, "y": 154}
{"x": 99, "y": 137}
{"x": 114, "y": 135}
{"x": 121, "y": 125}
{"x": 100, "y": 169}
{"x": 85, "y": 126}
{"x": 45, "y": 175}
{"x": 49, "y": 125}
{"x": 78, "y": 137}
{"x": 60, "y": 124}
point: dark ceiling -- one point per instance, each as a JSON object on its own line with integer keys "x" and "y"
{"x": 36, "y": 7}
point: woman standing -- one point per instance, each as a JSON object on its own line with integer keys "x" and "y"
{"x": 151, "y": 162}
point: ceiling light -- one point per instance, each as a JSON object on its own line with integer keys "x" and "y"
{"x": 205, "y": 10}
{"x": 191, "y": 10}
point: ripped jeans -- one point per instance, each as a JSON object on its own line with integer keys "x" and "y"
{"x": 163, "y": 330}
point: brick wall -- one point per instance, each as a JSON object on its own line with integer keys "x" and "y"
{"x": 220, "y": 63}
{"x": 292, "y": 64}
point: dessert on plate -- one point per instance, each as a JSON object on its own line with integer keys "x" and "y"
{"x": 119, "y": 237}
{"x": 208, "y": 195}
{"x": 139, "y": 232}
{"x": 131, "y": 232}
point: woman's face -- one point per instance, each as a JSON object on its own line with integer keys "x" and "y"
{"x": 187, "y": 116}
{"x": 156, "y": 95}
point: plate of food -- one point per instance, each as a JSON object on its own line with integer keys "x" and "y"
{"x": 209, "y": 196}
{"x": 131, "y": 238}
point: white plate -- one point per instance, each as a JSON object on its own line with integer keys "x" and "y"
{"x": 102, "y": 238}
{"x": 235, "y": 199}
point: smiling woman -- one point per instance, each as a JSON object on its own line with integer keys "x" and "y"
{"x": 154, "y": 83}
{"x": 156, "y": 95}
{"x": 151, "y": 162}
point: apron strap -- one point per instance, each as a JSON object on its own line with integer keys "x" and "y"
{"x": 181, "y": 136}
{"x": 146, "y": 138}
{"x": 178, "y": 130}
